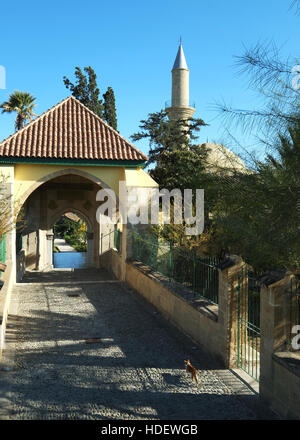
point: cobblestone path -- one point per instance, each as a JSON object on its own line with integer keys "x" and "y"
{"x": 135, "y": 372}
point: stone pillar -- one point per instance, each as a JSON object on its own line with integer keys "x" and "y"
{"x": 275, "y": 322}
{"x": 90, "y": 248}
{"x": 49, "y": 250}
{"x": 228, "y": 309}
{"x": 106, "y": 235}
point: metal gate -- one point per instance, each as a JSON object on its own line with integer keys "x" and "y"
{"x": 248, "y": 324}
{"x": 2, "y": 251}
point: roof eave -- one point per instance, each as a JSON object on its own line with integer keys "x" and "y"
{"x": 79, "y": 162}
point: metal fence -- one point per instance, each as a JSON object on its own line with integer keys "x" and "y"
{"x": 248, "y": 323}
{"x": 178, "y": 264}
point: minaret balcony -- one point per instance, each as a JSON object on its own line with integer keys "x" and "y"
{"x": 168, "y": 104}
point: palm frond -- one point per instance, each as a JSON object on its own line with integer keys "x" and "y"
{"x": 21, "y": 102}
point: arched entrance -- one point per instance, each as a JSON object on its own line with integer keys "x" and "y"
{"x": 65, "y": 192}
{"x": 67, "y": 140}
{"x": 73, "y": 240}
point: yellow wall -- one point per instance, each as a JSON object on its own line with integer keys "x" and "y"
{"x": 7, "y": 171}
{"x": 138, "y": 177}
{"x": 26, "y": 176}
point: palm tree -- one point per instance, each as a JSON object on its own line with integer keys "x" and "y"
{"x": 23, "y": 104}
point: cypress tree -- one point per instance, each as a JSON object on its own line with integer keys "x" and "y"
{"x": 109, "y": 112}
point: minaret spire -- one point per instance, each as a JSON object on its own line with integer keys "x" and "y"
{"x": 180, "y": 62}
{"x": 180, "y": 108}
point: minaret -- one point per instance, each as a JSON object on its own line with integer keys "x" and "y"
{"x": 180, "y": 108}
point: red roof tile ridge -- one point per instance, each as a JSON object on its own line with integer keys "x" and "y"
{"x": 110, "y": 128}
{"x": 34, "y": 123}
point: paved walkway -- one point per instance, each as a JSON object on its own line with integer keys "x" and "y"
{"x": 63, "y": 246}
{"x": 135, "y": 371}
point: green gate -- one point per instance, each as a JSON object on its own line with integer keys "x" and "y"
{"x": 2, "y": 251}
{"x": 248, "y": 324}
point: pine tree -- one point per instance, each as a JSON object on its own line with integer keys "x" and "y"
{"x": 176, "y": 159}
{"x": 176, "y": 163}
{"x": 109, "y": 113}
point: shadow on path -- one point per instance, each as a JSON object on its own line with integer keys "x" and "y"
{"x": 135, "y": 372}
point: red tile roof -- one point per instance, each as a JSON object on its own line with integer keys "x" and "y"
{"x": 69, "y": 130}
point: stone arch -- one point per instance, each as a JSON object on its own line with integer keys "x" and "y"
{"x": 90, "y": 229}
{"x": 39, "y": 241}
{"x": 56, "y": 174}
{"x": 53, "y": 219}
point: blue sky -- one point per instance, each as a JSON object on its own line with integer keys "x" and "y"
{"x": 132, "y": 46}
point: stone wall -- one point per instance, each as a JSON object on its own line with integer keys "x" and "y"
{"x": 198, "y": 320}
{"x": 207, "y": 324}
{"x": 112, "y": 261}
{"x": 8, "y": 278}
{"x": 280, "y": 368}
{"x": 215, "y": 327}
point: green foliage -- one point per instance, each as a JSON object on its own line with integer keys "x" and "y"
{"x": 176, "y": 159}
{"x": 109, "y": 112}
{"x": 271, "y": 78}
{"x": 87, "y": 92}
{"x": 9, "y": 219}
{"x": 80, "y": 247}
{"x": 256, "y": 215}
{"x": 21, "y": 102}
{"x": 86, "y": 89}
{"x": 178, "y": 163}
{"x": 76, "y": 242}
{"x": 73, "y": 233}
{"x": 65, "y": 226}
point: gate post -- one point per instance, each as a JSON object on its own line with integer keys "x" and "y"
{"x": 275, "y": 321}
{"x": 228, "y": 308}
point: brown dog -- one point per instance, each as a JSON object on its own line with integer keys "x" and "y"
{"x": 192, "y": 370}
